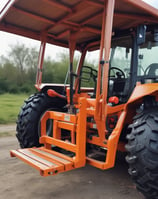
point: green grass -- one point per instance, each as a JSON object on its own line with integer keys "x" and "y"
{"x": 10, "y": 106}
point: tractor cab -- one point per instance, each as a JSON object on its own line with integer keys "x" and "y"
{"x": 101, "y": 109}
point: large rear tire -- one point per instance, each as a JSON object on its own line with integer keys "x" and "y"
{"x": 142, "y": 150}
{"x": 28, "y": 123}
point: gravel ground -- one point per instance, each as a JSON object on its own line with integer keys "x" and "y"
{"x": 19, "y": 180}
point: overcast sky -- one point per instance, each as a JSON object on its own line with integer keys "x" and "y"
{"x": 8, "y": 39}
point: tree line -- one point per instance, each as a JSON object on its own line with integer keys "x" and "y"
{"x": 18, "y": 69}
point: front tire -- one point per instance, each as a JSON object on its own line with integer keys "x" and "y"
{"x": 142, "y": 150}
{"x": 28, "y": 131}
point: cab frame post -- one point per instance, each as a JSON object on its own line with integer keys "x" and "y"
{"x": 72, "y": 46}
{"x": 102, "y": 88}
{"x": 40, "y": 61}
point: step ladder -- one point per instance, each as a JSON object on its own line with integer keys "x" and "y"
{"x": 49, "y": 161}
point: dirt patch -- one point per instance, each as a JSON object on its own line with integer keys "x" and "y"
{"x": 7, "y": 130}
{"x": 18, "y": 180}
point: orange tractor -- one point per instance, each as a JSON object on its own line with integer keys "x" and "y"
{"x": 63, "y": 127}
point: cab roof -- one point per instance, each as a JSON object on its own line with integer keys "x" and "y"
{"x": 56, "y": 18}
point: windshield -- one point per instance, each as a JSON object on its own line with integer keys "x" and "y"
{"x": 148, "y": 58}
{"x": 120, "y": 61}
{"x": 119, "y": 73}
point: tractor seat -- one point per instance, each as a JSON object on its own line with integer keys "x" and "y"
{"x": 150, "y": 74}
{"x": 119, "y": 85}
{"x": 120, "y": 89}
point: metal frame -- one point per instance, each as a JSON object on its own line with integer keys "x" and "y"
{"x": 82, "y": 26}
{"x": 6, "y": 8}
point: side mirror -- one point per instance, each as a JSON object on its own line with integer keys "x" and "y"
{"x": 127, "y": 53}
{"x": 141, "y": 33}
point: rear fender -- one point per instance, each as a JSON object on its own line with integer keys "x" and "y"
{"x": 136, "y": 99}
{"x": 59, "y": 88}
{"x": 140, "y": 92}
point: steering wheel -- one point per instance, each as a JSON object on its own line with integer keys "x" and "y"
{"x": 151, "y": 70}
{"x": 118, "y": 73}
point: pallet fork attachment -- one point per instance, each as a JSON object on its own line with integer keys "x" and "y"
{"x": 50, "y": 162}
